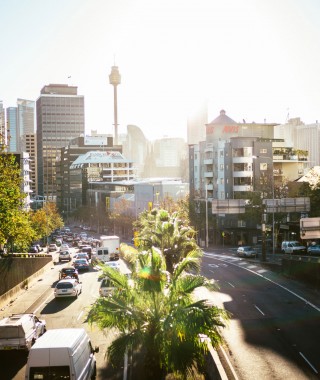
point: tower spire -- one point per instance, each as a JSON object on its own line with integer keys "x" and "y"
{"x": 115, "y": 80}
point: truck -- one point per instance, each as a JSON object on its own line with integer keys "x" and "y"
{"x": 109, "y": 248}
{"x": 20, "y": 331}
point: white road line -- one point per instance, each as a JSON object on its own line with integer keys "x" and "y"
{"x": 43, "y": 303}
{"x": 230, "y": 284}
{"x": 307, "y": 361}
{"x": 275, "y": 283}
{"x": 259, "y": 310}
{"x": 80, "y": 315}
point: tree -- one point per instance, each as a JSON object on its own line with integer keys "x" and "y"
{"x": 171, "y": 233}
{"x": 14, "y": 222}
{"x": 158, "y": 314}
{"x": 45, "y": 220}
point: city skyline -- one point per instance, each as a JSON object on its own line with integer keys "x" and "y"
{"x": 257, "y": 60}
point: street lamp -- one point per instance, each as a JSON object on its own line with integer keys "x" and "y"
{"x": 273, "y": 200}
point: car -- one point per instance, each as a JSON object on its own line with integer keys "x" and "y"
{"x": 68, "y": 287}
{"x": 68, "y": 272}
{"x": 246, "y": 251}
{"x": 113, "y": 264}
{"x": 64, "y": 246}
{"x": 64, "y": 255}
{"x": 33, "y": 249}
{"x": 82, "y": 255}
{"x": 293, "y": 247}
{"x": 106, "y": 287}
{"x": 81, "y": 265}
{"x": 314, "y": 249}
{"x": 52, "y": 247}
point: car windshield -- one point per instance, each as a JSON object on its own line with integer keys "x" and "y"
{"x": 81, "y": 261}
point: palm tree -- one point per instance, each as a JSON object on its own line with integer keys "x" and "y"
{"x": 171, "y": 233}
{"x": 157, "y": 314}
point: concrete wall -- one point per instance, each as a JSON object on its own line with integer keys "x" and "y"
{"x": 16, "y": 272}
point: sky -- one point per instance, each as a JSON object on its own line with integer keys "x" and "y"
{"x": 259, "y": 60}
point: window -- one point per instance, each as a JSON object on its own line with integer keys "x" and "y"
{"x": 263, "y": 166}
{"x": 263, "y": 151}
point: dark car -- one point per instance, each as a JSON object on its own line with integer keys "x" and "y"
{"x": 68, "y": 272}
{"x": 33, "y": 249}
{"x": 314, "y": 250}
{"x": 81, "y": 265}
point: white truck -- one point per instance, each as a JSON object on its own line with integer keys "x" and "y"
{"x": 20, "y": 331}
{"x": 109, "y": 248}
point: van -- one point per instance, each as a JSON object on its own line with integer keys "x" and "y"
{"x": 62, "y": 354}
{"x": 293, "y": 247}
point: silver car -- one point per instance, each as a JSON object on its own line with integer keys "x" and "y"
{"x": 246, "y": 251}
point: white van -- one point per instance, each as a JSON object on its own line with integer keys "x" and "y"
{"x": 62, "y": 354}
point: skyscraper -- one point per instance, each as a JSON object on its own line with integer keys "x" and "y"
{"x": 60, "y": 118}
{"x": 3, "y": 131}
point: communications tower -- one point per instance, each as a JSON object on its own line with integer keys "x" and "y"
{"x": 115, "y": 79}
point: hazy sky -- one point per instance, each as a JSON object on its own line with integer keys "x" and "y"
{"x": 257, "y": 59}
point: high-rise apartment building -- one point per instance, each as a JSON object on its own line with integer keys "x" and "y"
{"x": 60, "y": 118}
{"x": 12, "y": 128}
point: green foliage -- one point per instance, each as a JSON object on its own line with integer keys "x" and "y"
{"x": 157, "y": 312}
{"x": 171, "y": 233}
{"x": 13, "y": 221}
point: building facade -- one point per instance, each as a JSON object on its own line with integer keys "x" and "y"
{"x": 60, "y": 118}
{"x": 70, "y": 179}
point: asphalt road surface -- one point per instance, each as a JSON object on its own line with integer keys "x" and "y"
{"x": 274, "y": 329}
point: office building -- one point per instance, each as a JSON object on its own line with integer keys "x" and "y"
{"x": 60, "y": 118}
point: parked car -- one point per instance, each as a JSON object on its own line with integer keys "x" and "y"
{"x": 246, "y": 251}
{"x": 106, "y": 287}
{"x": 293, "y": 247}
{"x": 64, "y": 256}
{"x": 314, "y": 249}
{"x": 52, "y": 247}
{"x": 81, "y": 265}
{"x": 68, "y": 287}
{"x": 68, "y": 272}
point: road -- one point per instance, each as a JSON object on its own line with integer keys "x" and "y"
{"x": 61, "y": 313}
{"x": 274, "y": 329}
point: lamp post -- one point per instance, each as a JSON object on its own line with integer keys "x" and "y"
{"x": 273, "y": 200}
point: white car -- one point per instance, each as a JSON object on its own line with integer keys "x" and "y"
{"x": 113, "y": 264}
{"x": 52, "y": 247}
{"x": 106, "y": 287}
{"x": 64, "y": 255}
{"x": 68, "y": 287}
{"x": 246, "y": 251}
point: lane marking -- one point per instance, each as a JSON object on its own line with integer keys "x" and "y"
{"x": 231, "y": 284}
{"x": 43, "y": 303}
{"x": 275, "y": 283}
{"x": 259, "y": 310}
{"x": 307, "y": 361}
{"x": 80, "y": 315}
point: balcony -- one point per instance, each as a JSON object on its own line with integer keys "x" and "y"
{"x": 208, "y": 161}
{"x": 242, "y": 188}
{"x": 208, "y": 174}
